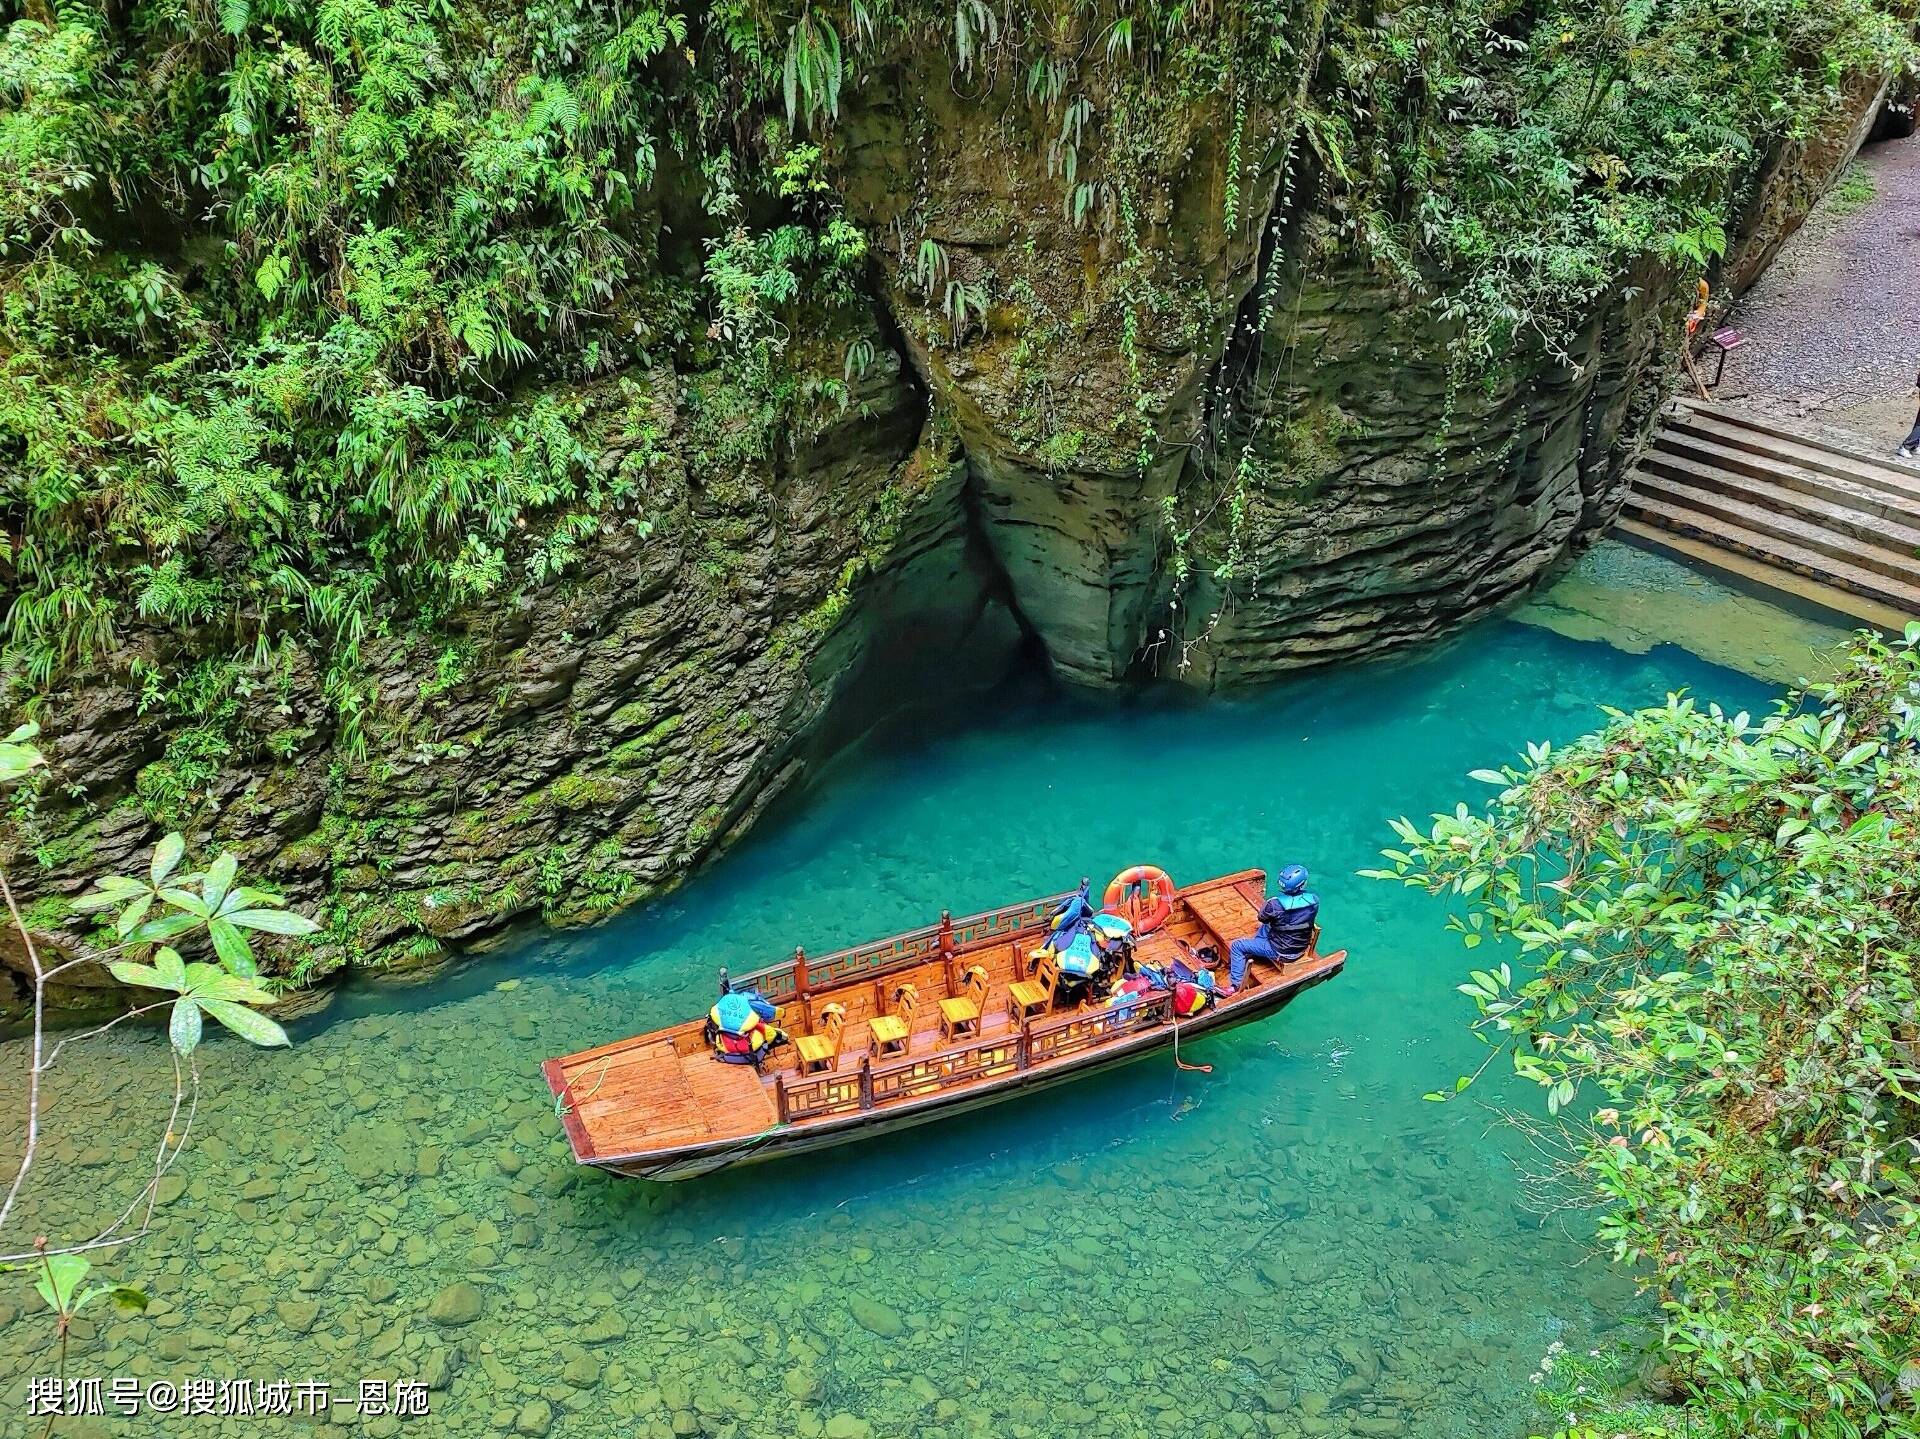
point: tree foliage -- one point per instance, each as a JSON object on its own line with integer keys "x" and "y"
{"x": 1515, "y": 161}
{"x": 314, "y": 316}
{"x": 1715, "y": 921}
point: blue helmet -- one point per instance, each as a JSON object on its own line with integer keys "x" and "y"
{"x": 1293, "y": 879}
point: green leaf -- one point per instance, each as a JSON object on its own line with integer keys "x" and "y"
{"x": 166, "y": 857}
{"x": 114, "y": 889}
{"x": 273, "y": 921}
{"x": 184, "y": 1028}
{"x": 243, "y": 896}
{"x": 168, "y": 965}
{"x": 1489, "y": 776}
{"x": 17, "y": 756}
{"x": 187, "y": 900}
{"x": 141, "y": 976}
{"x": 165, "y": 927}
{"x": 232, "y": 947}
{"x": 217, "y": 985}
{"x": 129, "y": 918}
{"x": 219, "y": 880}
{"x": 254, "y": 1028}
{"x": 60, "y": 1278}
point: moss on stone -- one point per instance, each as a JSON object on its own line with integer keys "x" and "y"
{"x": 637, "y": 753}
{"x": 581, "y": 789}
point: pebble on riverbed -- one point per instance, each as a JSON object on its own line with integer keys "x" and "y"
{"x": 1333, "y": 1279}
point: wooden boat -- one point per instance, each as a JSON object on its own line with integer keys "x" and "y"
{"x": 662, "y": 1106}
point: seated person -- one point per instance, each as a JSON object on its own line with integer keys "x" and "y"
{"x": 1286, "y": 927}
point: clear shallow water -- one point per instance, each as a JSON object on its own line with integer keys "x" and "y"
{"x": 1293, "y": 1245}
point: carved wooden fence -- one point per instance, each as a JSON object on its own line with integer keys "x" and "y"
{"x": 783, "y": 983}
{"x": 988, "y": 1058}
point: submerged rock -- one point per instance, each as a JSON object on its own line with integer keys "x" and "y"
{"x": 876, "y": 1318}
{"x": 459, "y": 1303}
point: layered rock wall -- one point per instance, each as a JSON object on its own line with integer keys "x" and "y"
{"x": 600, "y": 738}
{"x": 1163, "y": 430}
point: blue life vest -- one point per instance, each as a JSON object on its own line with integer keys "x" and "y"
{"x": 1288, "y": 921}
{"x": 1078, "y": 958}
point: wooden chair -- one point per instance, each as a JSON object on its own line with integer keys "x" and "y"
{"x": 893, "y": 1033}
{"x": 960, "y": 1016}
{"x": 822, "y": 1050}
{"x": 1028, "y": 997}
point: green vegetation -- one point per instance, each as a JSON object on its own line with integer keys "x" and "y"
{"x": 1852, "y": 192}
{"x": 309, "y": 310}
{"x": 151, "y": 915}
{"x": 327, "y": 331}
{"x": 1712, "y": 922}
{"x": 1536, "y": 153}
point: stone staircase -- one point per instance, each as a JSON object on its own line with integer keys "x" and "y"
{"x": 1780, "y": 505}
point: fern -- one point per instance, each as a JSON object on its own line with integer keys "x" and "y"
{"x": 975, "y": 26}
{"x": 813, "y": 70}
{"x": 930, "y": 266}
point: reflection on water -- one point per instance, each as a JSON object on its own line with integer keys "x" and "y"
{"x": 1293, "y": 1245}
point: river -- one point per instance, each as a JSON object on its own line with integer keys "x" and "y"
{"x": 1295, "y": 1244}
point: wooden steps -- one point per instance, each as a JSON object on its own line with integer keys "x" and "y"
{"x": 1800, "y": 512}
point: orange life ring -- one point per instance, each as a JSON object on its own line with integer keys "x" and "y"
{"x": 1143, "y": 895}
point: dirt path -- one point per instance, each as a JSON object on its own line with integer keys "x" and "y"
{"x": 1833, "y": 326}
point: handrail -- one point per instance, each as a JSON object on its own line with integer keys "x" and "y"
{"x": 989, "y": 1057}
{"x": 779, "y": 982}
{"x": 850, "y": 1091}
{"x": 1071, "y": 1033}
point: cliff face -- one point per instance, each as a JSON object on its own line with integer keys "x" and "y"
{"x": 1387, "y": 500}
{"x": 1218, "y": 451}
{"x": 593, "y": 744}
{"x": 1076, "y": 393}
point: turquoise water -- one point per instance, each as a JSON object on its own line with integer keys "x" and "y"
{"x": 1293, "y": 1245}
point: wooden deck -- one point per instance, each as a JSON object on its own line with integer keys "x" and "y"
{"x": 664, "y": 1090}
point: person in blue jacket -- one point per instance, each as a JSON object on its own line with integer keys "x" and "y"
{"x": 1286, "y": 927}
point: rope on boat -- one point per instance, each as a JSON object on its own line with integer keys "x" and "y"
{"x": 560, "y": 1106}
{"x": 1178, "y": 1062}
{"x": 747, "y": 1146}
{"x": 1174, "y": 1014}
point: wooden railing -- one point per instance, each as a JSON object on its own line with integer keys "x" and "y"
{"x": 911, "y": 1078}
{"x": 1071, "y": 1033}
{"x": 840, "y": 1092}
{"x": 992, "y": 1057}
{"x": 783, "y": 983}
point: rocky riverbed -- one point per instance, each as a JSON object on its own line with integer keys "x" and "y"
{"x": 1294, "y": 1245}
{"x": 407, "y": 1212}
